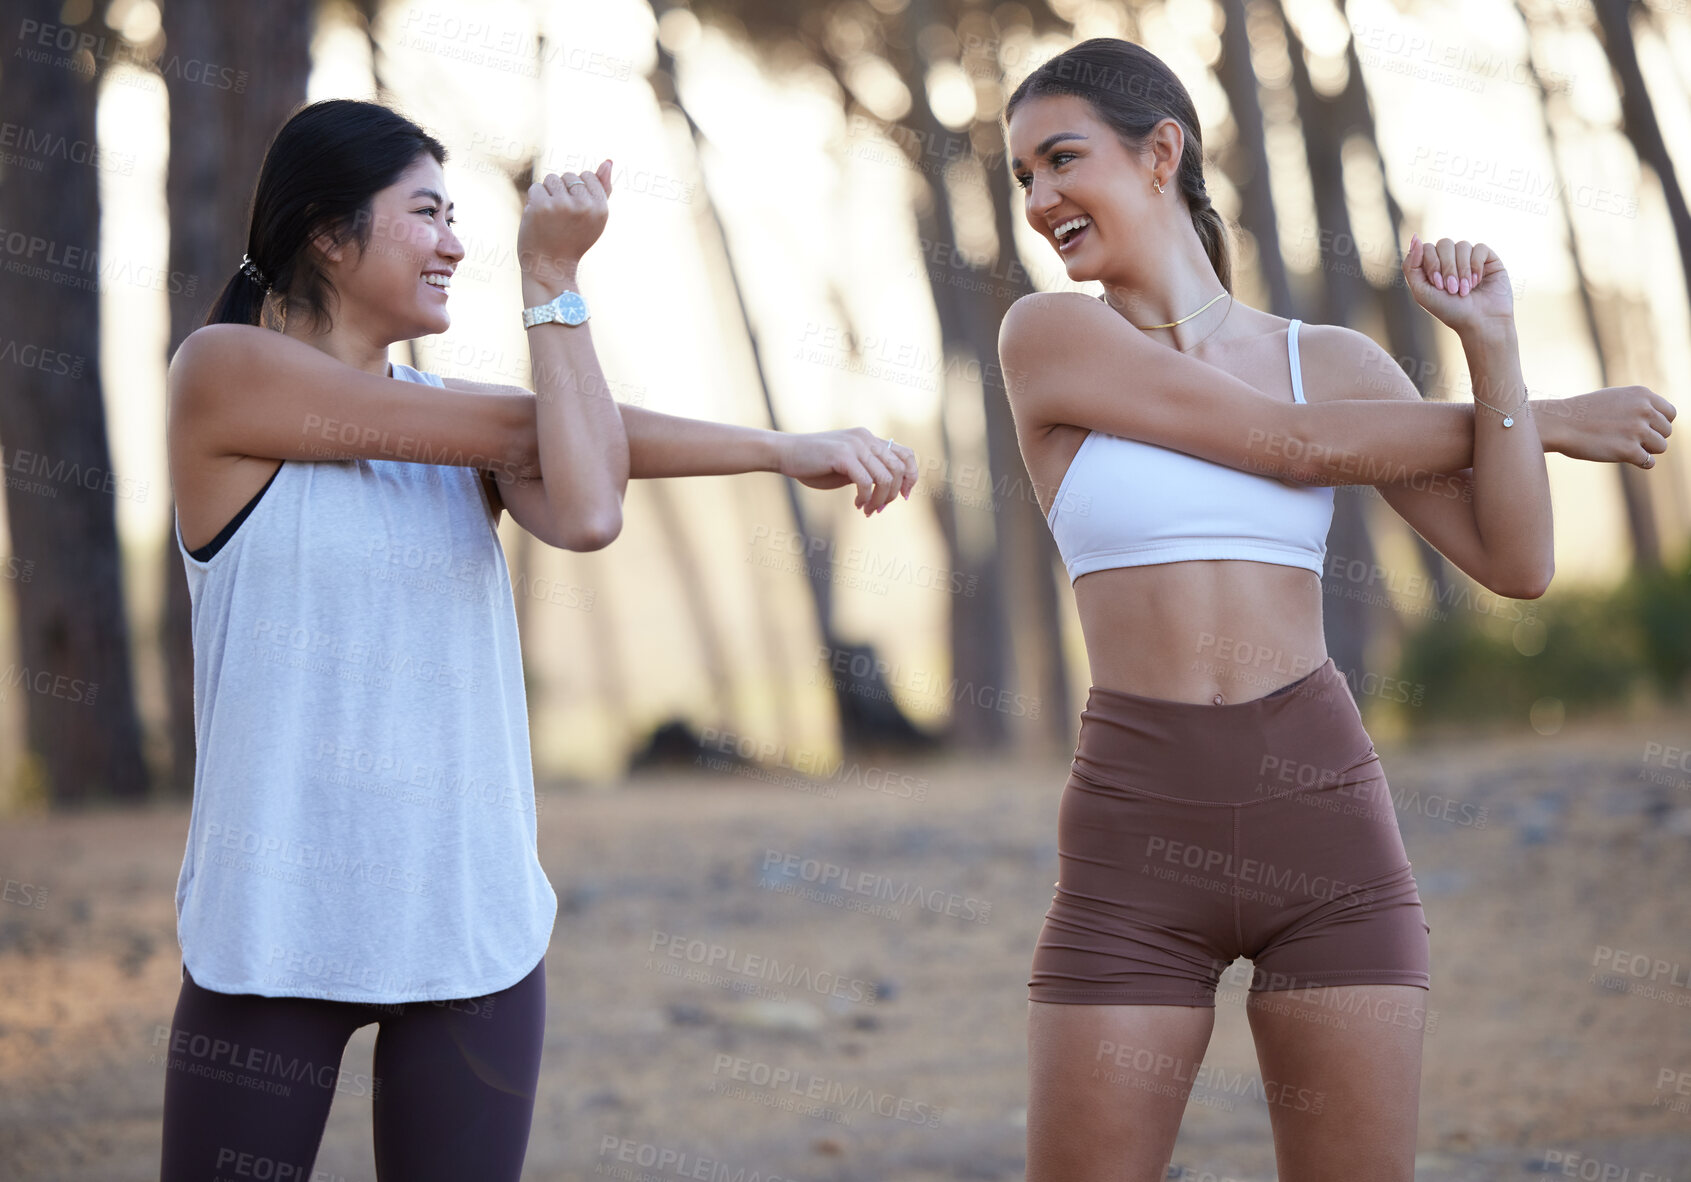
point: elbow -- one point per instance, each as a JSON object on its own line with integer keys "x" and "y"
{"x": 594, "y": 533}
{"x": 1527, "y": 585}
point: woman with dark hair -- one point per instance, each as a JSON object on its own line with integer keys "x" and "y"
{"x": 362, "y": 843}
{"x": 1224, "y": 798}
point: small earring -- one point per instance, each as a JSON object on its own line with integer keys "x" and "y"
{"x": 1158, "y": 183}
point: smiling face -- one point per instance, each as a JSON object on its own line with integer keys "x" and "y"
{"x": 397, "y": 286}
{"x": 1084, "y": 191}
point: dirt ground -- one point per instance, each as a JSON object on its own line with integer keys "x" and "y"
{"x": 1554, "y": 871}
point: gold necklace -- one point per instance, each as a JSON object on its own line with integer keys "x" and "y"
{"x": 1182, "y": 318}
{"x": 1212, "y": 331}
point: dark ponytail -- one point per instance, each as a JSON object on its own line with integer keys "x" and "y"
{"x": 240, "y": 302}
{"x": 319, "y": 174}
{"x": 1132, "y": 90}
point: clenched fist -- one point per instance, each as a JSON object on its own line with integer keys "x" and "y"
{"x": 1462, "y": 283}
{"x": 1614, "y": 425}
{"x": 564, "y": 216}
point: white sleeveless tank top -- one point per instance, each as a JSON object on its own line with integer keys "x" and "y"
{"x": 1128, "y": 503}
{"x": 363, "y": 823}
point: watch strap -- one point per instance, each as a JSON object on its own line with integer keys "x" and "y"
{"x": 553, "y": 310}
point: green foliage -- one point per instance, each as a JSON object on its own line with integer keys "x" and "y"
{"x": 1661, "y": 605}
{"x": 1587, "y": 648}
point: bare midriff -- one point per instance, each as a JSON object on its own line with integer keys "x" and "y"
{"x": 1216, "y": 631}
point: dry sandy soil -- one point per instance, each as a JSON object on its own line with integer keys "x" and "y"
{"x": 1561, "y": 999}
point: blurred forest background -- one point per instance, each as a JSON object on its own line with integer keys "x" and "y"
{"x": 812, "y": 227}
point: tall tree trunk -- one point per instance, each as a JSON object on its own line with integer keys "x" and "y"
{"x": 1031, "y": 560}
{"x": 984, "y": 546}
{"x": 886, "y": 723}
{"x": 217, "y": 142}
{"x": 1248, "y": 163}
{"x": 1638, "y": 119}
{"x": 1029, "y": 549}
{"x": 73, "y": 676}
{"x": 980, "y": 643}
{"x": 1635, "y": 493}
{"x": 1638, "y": 122}
{"x": 1409, "y": 330}
{"x": 1349, "y": 620}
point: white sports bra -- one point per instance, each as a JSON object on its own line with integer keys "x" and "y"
{"x": 1127, "y": 503}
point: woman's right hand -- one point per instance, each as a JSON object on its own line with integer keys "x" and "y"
{"x": 561, "y": 219}
{"x": 1463, "y": 284}
{"x": 880, "y": 468}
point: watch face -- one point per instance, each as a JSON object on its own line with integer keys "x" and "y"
{"x": 572, "y": 309}
{"x": 567, "y": 308}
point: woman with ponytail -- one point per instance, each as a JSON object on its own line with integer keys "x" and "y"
{"x": 1224, "y": 799}
{"x": 362, "y": 843}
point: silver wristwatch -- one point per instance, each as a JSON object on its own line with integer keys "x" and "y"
{"x": 566, "y": 308}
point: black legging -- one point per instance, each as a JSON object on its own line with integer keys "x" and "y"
{"x": 249, "y": 1079}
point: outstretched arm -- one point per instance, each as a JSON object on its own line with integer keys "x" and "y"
{"x": 1069, "y": 359}
{"x": 671, "y": 445}
{"x": 1614, "y": 425}
{"x": 1064, "y": 357}
{"x": 663, "y": 445}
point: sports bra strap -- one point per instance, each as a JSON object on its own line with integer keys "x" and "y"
{"x": 1297, "y": 373}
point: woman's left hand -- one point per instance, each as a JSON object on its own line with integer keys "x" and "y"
{"x": 1614, "y": 425}
{"x": 880, "y": 468}
{"x": 1463, "y": 283}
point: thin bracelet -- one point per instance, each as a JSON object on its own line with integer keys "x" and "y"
{"x": 1508, "y": 416}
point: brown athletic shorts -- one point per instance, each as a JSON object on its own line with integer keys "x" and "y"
{"x": 1191, "y": 834}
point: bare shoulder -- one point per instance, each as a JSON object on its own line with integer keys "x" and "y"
{"x": 1041, "y": 327}
{"x": 1040, "y": 311}
{"x": 211, "y": 351}
{"x": 1340, "y": 362}
{"x": 216, "y": 338}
